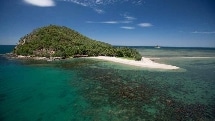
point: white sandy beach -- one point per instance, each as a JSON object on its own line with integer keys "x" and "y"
{"x": 145, "y": 62}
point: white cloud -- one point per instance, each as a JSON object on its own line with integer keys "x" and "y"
{"x": 203, "y": 32}
{"x": 99, "y": 11}
{"x": 95, "y": 4}
{"x": 127, "y": 27}
{"x": 127, "y": 17}
{"x": 145, "y": 24}
{"x": 103, "y": 22}
{"x": 137, "y": 2}
{"x": 40, "y": 3}
{"x": 79, "y": 3}
{"x": 126, "y": 22}
{"x": 99, "y": 2}
{"x": 130, "y": 18}
{"x": 110, "y": 22}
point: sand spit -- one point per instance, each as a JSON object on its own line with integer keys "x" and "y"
{"x": 145, "y": 62}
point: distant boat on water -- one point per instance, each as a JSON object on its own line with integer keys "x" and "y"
{"x": 157, "y": 46}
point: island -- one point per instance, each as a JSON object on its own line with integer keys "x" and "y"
{"x": 60, "y": 42}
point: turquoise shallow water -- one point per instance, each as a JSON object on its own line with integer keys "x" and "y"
{"x": 91, "y": 90}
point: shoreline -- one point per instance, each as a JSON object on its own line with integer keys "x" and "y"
{"x": 13, "y": 56}
{"x": 145, "y": 62}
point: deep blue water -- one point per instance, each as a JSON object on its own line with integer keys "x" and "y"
{"x": 6, "y": 48}
{"x": 90, "y": 90}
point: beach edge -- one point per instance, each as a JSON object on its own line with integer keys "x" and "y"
{"x": 144, "y": 62}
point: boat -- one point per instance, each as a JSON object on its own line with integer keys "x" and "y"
{"x": 157, "y": 46}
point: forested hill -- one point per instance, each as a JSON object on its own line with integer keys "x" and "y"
{"x": 60, "y": 41}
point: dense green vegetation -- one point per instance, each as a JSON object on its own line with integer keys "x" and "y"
{"x": 60, "y": 41}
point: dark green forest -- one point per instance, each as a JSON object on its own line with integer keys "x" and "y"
{"x": 60, "y": 41}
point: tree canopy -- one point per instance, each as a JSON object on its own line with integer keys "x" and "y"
{"x": 60, "y": 41}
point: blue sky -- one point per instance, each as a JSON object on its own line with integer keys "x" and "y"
{"x": 185, "y": 23}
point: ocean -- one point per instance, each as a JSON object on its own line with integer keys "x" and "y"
{"x": 94, "y": 90}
